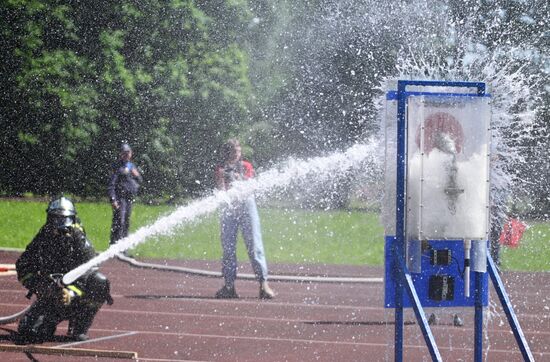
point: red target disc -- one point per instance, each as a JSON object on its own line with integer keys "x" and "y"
{"x": 437, "y": 124}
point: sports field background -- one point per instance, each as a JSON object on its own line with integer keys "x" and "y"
{"x": 290, "y": 235}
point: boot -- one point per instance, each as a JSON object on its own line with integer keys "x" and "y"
{"x": 433, "y": 320}
{"x": 265, "y": 291}
{"x": 71, "y": 332}
{"x": 38, "y": 325}
{"x": 457, "y": 321}
{"x": 227, "y": 293}
{"x": 81, "y": 323}
{"x": 79, "y": 337}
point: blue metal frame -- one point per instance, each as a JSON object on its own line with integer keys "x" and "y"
{"x": 399, "y": 245}
{"x": 392, "y": 95}
{"x": 399, "y": 272}
{"x": 403, "y": 278}
{"x": 478, "y": 318}
{"x": 421, "y": 280}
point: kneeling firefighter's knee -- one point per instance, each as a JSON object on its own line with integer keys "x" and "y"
{"x": 98, "y": 288}
{"x": 37, "y": 323}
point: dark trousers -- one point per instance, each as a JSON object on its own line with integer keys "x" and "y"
{"x": 40, "y": 322}
{"x": 121, "y": 220}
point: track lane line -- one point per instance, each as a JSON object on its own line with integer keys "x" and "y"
{"x": 309, "y": 341}
{"x": 269, "y": 319}
{"x": 68, "y": 345}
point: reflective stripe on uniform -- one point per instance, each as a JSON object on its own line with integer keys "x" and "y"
{"x": 76, "y": 290}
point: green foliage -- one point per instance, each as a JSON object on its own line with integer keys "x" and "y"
{"x": 175, "y": 78}
{"x": 159, "y": 74}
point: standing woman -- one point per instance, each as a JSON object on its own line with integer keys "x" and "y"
{"x": 243, "y": 214}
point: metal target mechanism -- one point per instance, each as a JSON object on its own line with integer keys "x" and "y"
{"x": 436, "y": 207}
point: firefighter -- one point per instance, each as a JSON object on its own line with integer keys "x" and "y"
{"x": 60, "y": 246}
{"x": 123, "y": 188}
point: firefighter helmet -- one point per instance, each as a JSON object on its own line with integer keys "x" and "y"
{"x": 61, "y": 212}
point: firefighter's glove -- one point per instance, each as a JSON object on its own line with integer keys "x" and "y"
{"x": 47, "y": 289}
{"x": 67, "y": 296}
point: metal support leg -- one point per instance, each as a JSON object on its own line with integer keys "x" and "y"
{"x": 478, "y": 328}
{"x": 509, "y": 310}
{"x": 399, "y": 291}
{"x": 399, "y": 333}
{"x": 421, "y": 319}
{"x": 406, "y": 279}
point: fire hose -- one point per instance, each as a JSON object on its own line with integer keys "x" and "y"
{"x": 288, "y": 278}
{"x": 206, "y": 273}
{"x": 14, "y": 317}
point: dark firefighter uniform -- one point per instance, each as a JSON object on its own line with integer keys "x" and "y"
{"x": 122, "y": 190}
{"x": 60, "y": 246}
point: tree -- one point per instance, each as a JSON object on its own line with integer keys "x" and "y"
{"x": 168, "y": 76}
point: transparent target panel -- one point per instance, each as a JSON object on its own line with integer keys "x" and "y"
{"x": 447, "y": 167}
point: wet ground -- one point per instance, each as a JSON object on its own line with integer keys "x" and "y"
{"x": 168, "y": 316}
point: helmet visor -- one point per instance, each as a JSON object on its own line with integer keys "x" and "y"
{"x": 60, "y": 221}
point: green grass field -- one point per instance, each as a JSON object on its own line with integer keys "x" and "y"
{"x": 533, "y": 254}
{"x": 290, "y": 236}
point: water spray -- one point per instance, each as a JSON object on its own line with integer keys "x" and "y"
{"x": 264, "y": 183}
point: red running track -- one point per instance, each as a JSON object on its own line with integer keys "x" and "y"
{"x": 167, "y": 316}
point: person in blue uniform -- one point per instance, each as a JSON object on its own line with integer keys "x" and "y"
{"x": 122, "y": 190}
